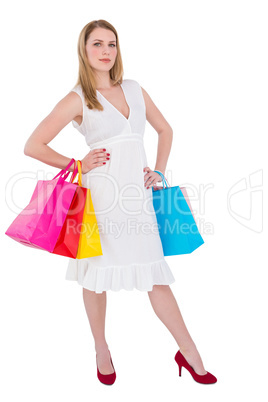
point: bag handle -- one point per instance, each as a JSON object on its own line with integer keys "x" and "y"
{"x": 74, "y": 173}
{"x": 78, "y": 169}
{"x": 164, "y": 180}
{"x": 79, "y": 166}
{"x": 61, "y": 172}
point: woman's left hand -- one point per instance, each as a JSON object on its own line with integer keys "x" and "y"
{"x": 151, "y": 178}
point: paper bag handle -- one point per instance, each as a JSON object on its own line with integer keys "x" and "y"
{"x": 164, "y": 180}
{"x": 61, "y": 172}
{"x": 78, "y": 169}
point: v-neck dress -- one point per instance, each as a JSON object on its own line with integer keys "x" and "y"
{"x": 132, "y": 250}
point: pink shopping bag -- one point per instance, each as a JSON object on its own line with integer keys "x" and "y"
{"x": 40, "y": 223}
{"x": 184, "y": 192}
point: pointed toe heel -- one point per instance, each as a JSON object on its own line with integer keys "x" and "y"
{"x": 207, "y": 378}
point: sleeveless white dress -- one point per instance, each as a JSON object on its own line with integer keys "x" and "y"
{"x": 132, "y": 250}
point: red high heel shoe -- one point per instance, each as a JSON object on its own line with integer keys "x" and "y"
{"x": 203, "y": 379}
{"x": 107, "y": 379}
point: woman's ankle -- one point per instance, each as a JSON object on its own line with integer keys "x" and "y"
{"x": 188, "y": 348}
{"x": 101, "y": 347}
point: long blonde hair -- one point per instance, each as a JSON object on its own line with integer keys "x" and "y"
{"x": 86, "y": 77}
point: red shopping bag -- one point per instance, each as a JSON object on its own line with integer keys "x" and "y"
{"x": 79, "y": 237}
{"x": 68, "y": 240}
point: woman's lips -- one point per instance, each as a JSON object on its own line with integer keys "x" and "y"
{"x": 105, "y": 60}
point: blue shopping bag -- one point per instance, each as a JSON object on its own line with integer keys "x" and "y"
{"x": 177, "y": 227}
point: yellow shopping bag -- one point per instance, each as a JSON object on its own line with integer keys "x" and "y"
{"x": 89, "y": 240}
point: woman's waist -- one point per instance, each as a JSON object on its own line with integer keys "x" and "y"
{"x": 116, "y": 139}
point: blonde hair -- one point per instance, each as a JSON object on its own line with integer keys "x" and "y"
{"x": 86, "y": 77}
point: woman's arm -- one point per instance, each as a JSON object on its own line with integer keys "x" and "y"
{"x": 63, "y": 113}
{"x": 164, "y": 130}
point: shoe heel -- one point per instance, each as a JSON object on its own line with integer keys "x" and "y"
{"x": 207, "y": 378}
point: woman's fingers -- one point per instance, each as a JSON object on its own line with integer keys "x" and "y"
{"x": 150, "y": 178}
{"x": 100, "y": 156}
{"x": 94, "y": 158}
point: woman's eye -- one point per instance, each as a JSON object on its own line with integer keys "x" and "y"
{"x": 98, "y": 43}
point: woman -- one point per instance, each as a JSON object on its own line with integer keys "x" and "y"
{"x": 111, "y": 113}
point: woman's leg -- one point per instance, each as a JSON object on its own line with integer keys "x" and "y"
{"x": 166, "y": 308}
{"x": 95, "y": 305}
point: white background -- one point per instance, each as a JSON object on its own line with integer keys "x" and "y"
{"x": 204, "y": 64}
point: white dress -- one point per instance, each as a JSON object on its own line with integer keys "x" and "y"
{"x": 132, "y": 250}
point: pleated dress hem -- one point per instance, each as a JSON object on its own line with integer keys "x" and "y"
{"x": 137, "y": 276}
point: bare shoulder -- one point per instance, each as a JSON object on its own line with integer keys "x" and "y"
{"x": 72, "y": 101}
{"x": 145, "y": 94}
{"x": 69, "y": 108}
{"x": 153, "y": 114}
{"x": 66, "y": 110}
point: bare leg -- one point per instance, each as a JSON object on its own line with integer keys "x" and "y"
{"x": 166, "y": 308}
{"x": 95, "y": 305}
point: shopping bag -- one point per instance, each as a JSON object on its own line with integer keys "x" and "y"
{"x": 177, "y": 227}
{"x": 89, "y": 240}
{"x": 40, "y": 223}
{"x": 79, "y": 237}
{"x": 184, "y": 192}
{"x": 68, "y": 240}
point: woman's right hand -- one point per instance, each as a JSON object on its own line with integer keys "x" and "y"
{"x": 95, "y": 157}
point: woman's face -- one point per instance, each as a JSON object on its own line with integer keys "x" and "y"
{"x": 101, "y": 44}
